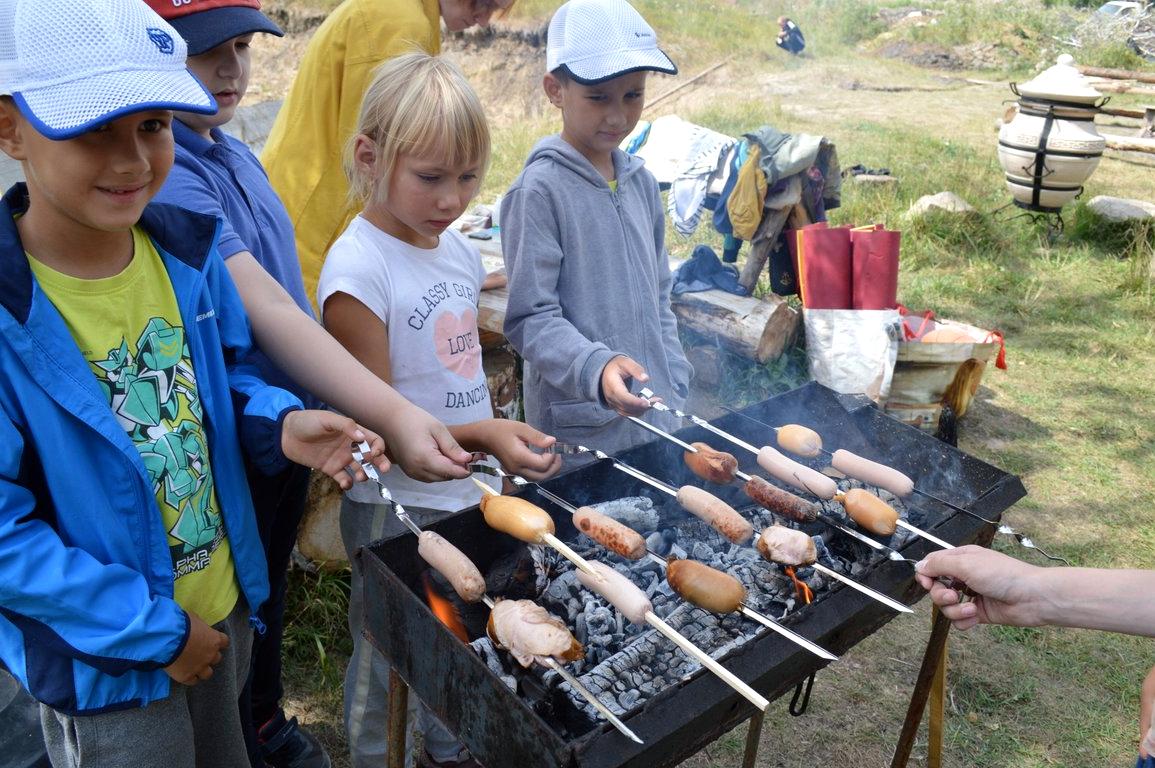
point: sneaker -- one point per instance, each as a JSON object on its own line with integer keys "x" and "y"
{"x": 285, "y": 744}
{"x": 425, "y": 760}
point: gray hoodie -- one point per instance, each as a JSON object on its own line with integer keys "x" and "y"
{"x": 588, "y": 280}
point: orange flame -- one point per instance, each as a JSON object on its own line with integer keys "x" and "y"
{"x": 443, "y": 609}
{"x": 800, "y": 587}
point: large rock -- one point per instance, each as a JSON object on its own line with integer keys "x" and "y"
{"x": 943, "y": 201}
{"x": 1121, "y": 209}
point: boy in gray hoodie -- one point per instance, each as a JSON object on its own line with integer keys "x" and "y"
{"x": 583, "y": 234}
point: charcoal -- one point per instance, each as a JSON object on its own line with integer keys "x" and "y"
{"x": 635, "y": 512}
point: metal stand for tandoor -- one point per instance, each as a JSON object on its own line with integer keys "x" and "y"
{"x": 396, "y": 724}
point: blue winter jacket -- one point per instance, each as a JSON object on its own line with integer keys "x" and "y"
{"x": 87, "y": 616}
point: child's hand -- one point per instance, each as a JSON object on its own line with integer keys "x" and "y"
{"x": 509, "y": 442}
{"x": 616, "y": 378}
{"x": 424, "y": 449}
{"x": 201, "y": 653}
{"x": 1146, "y": 712}
{"x": 324, "y": 440}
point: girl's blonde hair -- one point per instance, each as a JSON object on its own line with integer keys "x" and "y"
{"x": 416, "y": 104}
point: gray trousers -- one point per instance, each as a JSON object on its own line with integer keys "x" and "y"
{"x": 367, "y": 677}
{"x": 197, "y": 726}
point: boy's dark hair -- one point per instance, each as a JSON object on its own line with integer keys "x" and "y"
{"x": 562, "y": 74}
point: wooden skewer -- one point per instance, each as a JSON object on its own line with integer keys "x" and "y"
{"x": 728, "y": 677}
{"x": 549, "y": 539}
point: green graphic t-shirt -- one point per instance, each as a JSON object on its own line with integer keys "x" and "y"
{"x": 129, "y": 329}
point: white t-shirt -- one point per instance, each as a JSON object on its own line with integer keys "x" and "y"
{"x": 427, "y": 299}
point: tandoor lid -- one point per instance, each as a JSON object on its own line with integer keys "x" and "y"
{"x": 1062, "y": 82}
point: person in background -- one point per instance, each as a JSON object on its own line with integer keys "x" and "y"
{"x": 131, "y": 572}
{"x": 1009, "y": 591}
{"x": 583, "y": 233}
{"x": 303, "y": 154}
{"x": 400, "y": 291}
{"x": 790, "y": 36}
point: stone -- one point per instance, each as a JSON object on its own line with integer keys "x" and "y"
{"x": 943, "y": 201}
{"x": 319, "y": 537}
{"x": 1121, "y": 209}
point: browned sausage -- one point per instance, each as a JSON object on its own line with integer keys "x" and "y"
{"x": 869, "y": 511}
{"x": 798, "y": 439}
{"x": 781, "y": 502}
{"x": 704, "y": 586}
{"x": 872, "y": 472}
{"x": 708, "y": 464}
{"x": 453, "y": 564}
{"x": 799, "y": 475}
{"x": 721, "y": 516}
{"x": 618, "y": 591}
{"x": 529, "y": 632}
{"x": 609, "y": 533}
{"x": 517, "y": 517}
{"x": 787, "y": 546}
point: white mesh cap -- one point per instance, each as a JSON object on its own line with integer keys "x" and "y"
{"x": 71, "y": 66}
{"x": 597, "y": 40}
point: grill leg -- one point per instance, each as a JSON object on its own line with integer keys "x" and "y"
{"x": 396, "y": 724}
{"x": 937, "y": 705}
{"x": 753, "y": 737}
{"x": 935, "y": 650}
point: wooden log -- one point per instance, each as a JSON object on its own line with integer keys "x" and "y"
{"x": 759, "y": 329}
{"x": 1130, "y": 143}
{"x": 1111, "y": 87}
{"x": 1118, "y": 74}
{"x": 1122, "y": 112}
{"x": 765, "y": 240}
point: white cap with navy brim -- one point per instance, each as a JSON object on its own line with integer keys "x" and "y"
{"x": 598, "y": 40}
{"x": 73, "y": 65}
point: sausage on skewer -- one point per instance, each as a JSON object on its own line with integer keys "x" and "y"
{"x": 869, "y": 511}
{"x": 611, "y": 534}
{"x": 799, "y": 475}
{"x": 517, "y": 517}
{"x": 782, "y": 502}
{"x": 453, "y": 564}
{"x": 618, "y": 591}
{"x": 798, "y": 439}
{"x": 872, "y": 472}
{"x": 721, "y": 516}
{"x": 716, "y": 466}
{"x": 705, "y": 587}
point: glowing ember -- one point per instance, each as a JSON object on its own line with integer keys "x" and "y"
{"x": 443, "y": 609}
{"x": 804, "y": 593}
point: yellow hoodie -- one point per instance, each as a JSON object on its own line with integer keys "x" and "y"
{"x": 304, "y": 152}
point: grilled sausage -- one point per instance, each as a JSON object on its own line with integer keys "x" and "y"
{"x": 720, "y": 515}
{"x": 787, "y": 546}
{"x": 869, "y": 511}
{"x": 708, "y": 464}
{"x": 704, "y": 586}
{"x": 517, "y": 517}
{"x": 453, "y": 564}
{"x": 872, "y": 472}
{"x": 798, "y": 439}
{"x": 529, "y": 632}
{"x": 799, "y": 475}
{"x": 782, "y": 502}
{"x": 608, "y": 532}
{"x": 618, "y": 591}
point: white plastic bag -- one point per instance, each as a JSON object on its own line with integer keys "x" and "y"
{"x": 853, "y": 350}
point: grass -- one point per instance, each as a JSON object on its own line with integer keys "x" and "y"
{"x": 1073, "y": 415}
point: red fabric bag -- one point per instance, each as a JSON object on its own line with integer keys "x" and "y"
{"x": 874, "y": 267}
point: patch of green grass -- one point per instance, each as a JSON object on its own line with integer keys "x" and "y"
{"x": 316, "y": 634}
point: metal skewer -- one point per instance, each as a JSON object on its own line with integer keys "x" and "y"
{"x": 649, "y": 394}
{"x": 891, "y": 554}
{"x": 359, "y": 454}
{"x": 744, "y": 609}
{"x": 1023, "y": 540}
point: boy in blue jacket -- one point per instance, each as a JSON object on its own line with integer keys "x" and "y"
{"x": 583, "y": 235}
{"x": 130, "y": 567}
